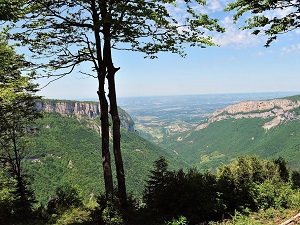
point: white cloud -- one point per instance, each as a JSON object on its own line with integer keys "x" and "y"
{"x": 279, "y": 12}
{"x": 211, "y": 6}
{"x": 234, "y": 36}
{"x": 290, "y": 49}
{"x": 178, "y": 12}
{"x": 216, "y": 5}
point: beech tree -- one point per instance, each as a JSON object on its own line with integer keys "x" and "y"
{"x": 17, "y": 113}
{"x": 263, "y": 21}
{"x": 69, "y": 33}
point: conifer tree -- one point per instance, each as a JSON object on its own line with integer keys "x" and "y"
{"x": 155, "y": 188}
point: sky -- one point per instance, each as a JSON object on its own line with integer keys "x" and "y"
{"x": 240, "y": 65}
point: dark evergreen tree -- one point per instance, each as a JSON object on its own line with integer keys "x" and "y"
{"x": 154, "y": 195}
{"x": 283, "y": 169}
{"x": 171, "y": 194}
{"x": 295, "y": 179}
{"x": 202, "y": 199}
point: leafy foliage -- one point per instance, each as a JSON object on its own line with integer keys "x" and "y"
{"x": 74, "y": 216}
{"x": 110, "y": 210}
{"x": 67, "y": 196}
{"x": 17, "y": 115}
{"x": 11, "y": 10}
{"x": 143, "y": 26}
{"x": 268, "y": 25}
{"x": 269, "y": 216}
{"x": 254, "y": 184}
{"x": 181, "y": 221}
{"x": 246, "y": 185}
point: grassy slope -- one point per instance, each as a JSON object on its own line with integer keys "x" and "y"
{"x": 222, "y": 141}
{"x": 64, "y": 151}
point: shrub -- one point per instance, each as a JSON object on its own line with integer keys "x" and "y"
{"x": 74, "y": 216}
{"x": 111, "y": 211}
{"x": 181, "y": 221}
{"x": 240, "y": 181}
{"x": 67, "y": 196}
{"x": 272, "y": 194}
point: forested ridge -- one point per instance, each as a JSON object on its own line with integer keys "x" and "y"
{"x": 65, "y": 150}
{"x": 224, "y": 139}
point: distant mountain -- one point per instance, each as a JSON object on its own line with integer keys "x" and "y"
{"x": 268, "y": 128}
{"x": 67, "y": 149}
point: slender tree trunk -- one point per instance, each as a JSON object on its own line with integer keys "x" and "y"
{"x": 116, "y": 138}
{"x": 101, "y": 73}
{"x": 111, "y": 71}
{"x": 106, "y": 161}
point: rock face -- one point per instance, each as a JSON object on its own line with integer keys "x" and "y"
{"x": 66, "y": 108}
{"x": 250, "y": 106}
{"x": 278, "y": 109}
{"x": 81, "y": 110}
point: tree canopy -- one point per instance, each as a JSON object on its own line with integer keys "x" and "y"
{"x": 265, "y": 20}
{"x": 64, "y": 32}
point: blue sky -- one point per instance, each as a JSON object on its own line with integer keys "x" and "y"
{"x": 240, "y": 65}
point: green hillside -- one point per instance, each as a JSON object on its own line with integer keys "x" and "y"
{"x": 224, "y": 140}
{"x": 293, "y": 98}
{"x": 66, "y": 150}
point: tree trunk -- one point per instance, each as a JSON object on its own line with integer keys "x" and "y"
{"x": 116, "y": 136}
{"x": 101, "y": 74}
{"x": 106, "y": 161}
{"x": 111, "y": 71}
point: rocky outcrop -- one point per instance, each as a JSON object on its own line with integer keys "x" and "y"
{"x": 126, "y": 121}
{"x": 81, "y": 110}
{"x": 250, "y": 106}
{"x": 278, "y": 109}
{"x": 70, "y": 108}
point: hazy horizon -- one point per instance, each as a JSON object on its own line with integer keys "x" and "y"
{"x": 275, "y": 93}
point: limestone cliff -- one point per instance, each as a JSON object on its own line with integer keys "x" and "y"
{"x": 81, "y": 110}
{"x": 278, "y": 110}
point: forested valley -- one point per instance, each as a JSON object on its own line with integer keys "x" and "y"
{"x": 64, "y": 185}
